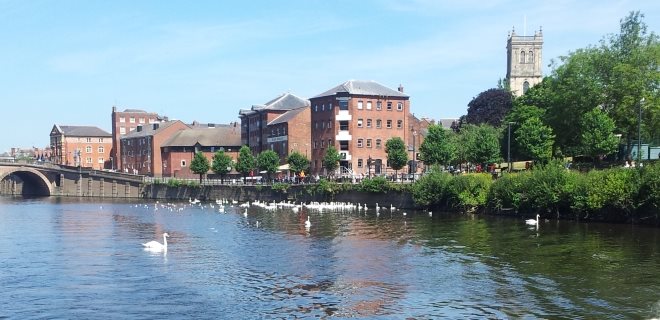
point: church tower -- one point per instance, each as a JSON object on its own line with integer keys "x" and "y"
{"x": 523, "y": 55}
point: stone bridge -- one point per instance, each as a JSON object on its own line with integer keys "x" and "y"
{"x": 35, "y": 179}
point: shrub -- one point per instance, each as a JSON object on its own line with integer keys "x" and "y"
{"x": 550, "y": 187}
{"x": 174, "y": 183}
{"x": 649, "y": 189}
{"x": 375, "y": 185}
{"x": 280, "y": 187}
{"x": 508, "y": 192}
{"x": 431, "y": 189}
{"x": 469, "y": 192}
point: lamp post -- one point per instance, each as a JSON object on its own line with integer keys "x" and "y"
{"x": 639, "y": 134}
{"x": 508, "y": 147}
{"x": 413, "y": 163}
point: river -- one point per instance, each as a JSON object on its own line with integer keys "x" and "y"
{"x": 74, "y": 258}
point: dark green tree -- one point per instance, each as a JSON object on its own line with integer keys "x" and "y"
{"x": 438, "y": 148}
{"x": 200, "y": 165}
{"x": 297, "y": 162}
{"x": 268, "y": 161}
{"x": 485, "y": 145}
{"x": 489, "y": 107}
{"x": 331, "y": 160}
{"x": 222, "y": 164}
{"x": 598, "y": 137}
{"x": 535, "y": 140}
{"x": 245, "y": 163}
{"x": 397, "y": 155}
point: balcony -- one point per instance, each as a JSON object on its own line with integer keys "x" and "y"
{"x": 343, "y": 115}
{"x": 343, "y": 135}
{"x": 345, "y": 155}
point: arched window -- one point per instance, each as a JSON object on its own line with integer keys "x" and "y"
{"x": 530, "y": 57}
{"x": 522, "y": 56}
{"x": 525, "y": 87}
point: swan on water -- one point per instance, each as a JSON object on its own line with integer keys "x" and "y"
{"x": 157, "y": 246}
{"x": 308, "y": 223}
{"x": 533, "y": 222}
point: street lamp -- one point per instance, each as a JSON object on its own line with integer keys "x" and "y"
{"x": 508, "y": 148}
{"x": 413, "y": 163}
{"x": 639, "y": 134}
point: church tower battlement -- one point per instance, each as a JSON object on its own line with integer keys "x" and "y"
{"x": 524, "y": 68}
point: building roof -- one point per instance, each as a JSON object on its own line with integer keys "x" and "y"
{"x": 148, "y": 129}
{"x": 82, "y": 131}
{"x": 287, "y": 116}
{"x": 208, "y": 137}
{"x": 362, "y": 87}
{"x": 286, "y": 101}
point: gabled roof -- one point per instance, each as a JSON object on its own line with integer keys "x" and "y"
{"x": 229, "y": 136}
{"x": 81, "y": 131}
{"x": 148, "y": 129}
{"x": 287, "y": 116}
{"x": 362, "y": 87}
{"x": 286, "y": 101}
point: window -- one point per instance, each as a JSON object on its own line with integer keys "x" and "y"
{"x": 360, "y": 104}
{"x": 368, "y": 105}
{"x": 183, "y": 163}
{"x": 379, "y": 105}
{"x": 316, "y": 125}
{"x": 323, "y": 107}
{"x": 88, "y": 149}
{"x": 343, "y": 145}
{"x": 330, "y": 106}
{"x": 322, "y": 144}
{"x": 525, "y": 86}
{"x": 379, "y": 123}
{"x": 343, "y": 105}
{"x": 522, "y": 56}
{"x": 359, "y": 163}
{"x": 89, "y": 139}
{"x": 122, "y": 130}
{"x": 368, "y": 143}
{"x": 322, "y": 125}
{"x": 132, "y": 120}
{"x": 142, "y": 120}
{"x": 315, "y": 144}
{"x": 359, "y": 143}
{"x": 343, "y": 125}
{"x": 122, "y": 119}
{"x": 329, "y": 142}
{"x": 399, "y": 106}
{"x": 101, "y": 149}
{"x": 316, "y": 108}
{"x": 389, "y": 106}
{"x": 389, "y": 124}
{"x": 101, "y": 160}
{"x": 89, "y": 160}
{"x": 379, "y": 143}
{"x": 368, "y": 123}
{"x": 399, "y": 124}
{"x": 359, "y": 123}
{"x": 530, "y": 57}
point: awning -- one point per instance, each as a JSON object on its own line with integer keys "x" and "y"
{"x": 284, "y": 167}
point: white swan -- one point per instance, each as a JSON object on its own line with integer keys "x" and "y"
{"x": 533, "y": 222}
{"x": 157, "y": 246}
{"x": 245, "y": 213}
{"x": 308, "y": 223}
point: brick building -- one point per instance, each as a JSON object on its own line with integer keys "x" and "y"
{"x": 85, "y": 146}
{"x": 256, "y": 134}
{"x": 290, "y": 132}
{"x": 124, "y": 122}
{"x": 357, "y": 118}
{"x": 179, "y": 150}
{"x": 141, "y": 148}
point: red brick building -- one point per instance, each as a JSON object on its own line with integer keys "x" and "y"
{"x": 259, "y": 136}
{"x": 141, "y": 148}
{"x": 84, "y": 146}
{"x": 178, "y": 151}
{"x": 357, "y": 118}
{"x": 124, "y": 122}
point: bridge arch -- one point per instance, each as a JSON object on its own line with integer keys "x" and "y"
{"x": 34, "y": 182}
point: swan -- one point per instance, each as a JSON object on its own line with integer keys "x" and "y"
{"x": 308, "y": 223}
{"x": 245, "y": 213}
{"x": 533, "y": 222}
{"x": 157, "y": 246}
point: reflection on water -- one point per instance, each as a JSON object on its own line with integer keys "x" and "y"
{"x": 62, "y": 258}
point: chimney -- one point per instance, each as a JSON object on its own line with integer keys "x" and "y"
{"x": 400, "y": 89}
{"x": 114, "y": 109}
{"x": 139, "y": 128}
{"x": 156, "y": 125}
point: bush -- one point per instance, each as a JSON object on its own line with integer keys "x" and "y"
{"x": 649, "y": 189}
{"x": 612, "y": 190}
{"x": 174, "y": 183}
{"x": 550, "y": 188}
{"x": 431, "y": 189}
{"x": 508, "y": 192}
{"x": 375, "y": 185}
{"x": 469, "y": 192}
{"x": 280, "y": 187}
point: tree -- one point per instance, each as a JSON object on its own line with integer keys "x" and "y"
{"x": 331, "y": 160}
{"x": 535, "y": 140}
{"x": 489, "y": 107}
{"x": 519, "y": 114}
{"x": 598, "y": 137}
{"x": 268, "y": 161}
{"x": 485, "y": 145}
{"x": 297, "y": 162}
{"x": 222, "y": 164}
{"x": 245, "y": 163}
{"x": 438, "y": 147}
{"x": 397, "y": 155}
{"x": 200, "y": 165}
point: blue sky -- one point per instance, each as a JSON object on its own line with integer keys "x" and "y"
{"x": 68, "y": 62}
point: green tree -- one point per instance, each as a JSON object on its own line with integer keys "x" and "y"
{"x": 438, "y": 147}
{"x": 200, "y": 165}
{"x": 535, "y": 140}
{"x": 518, "y": 115}
{"x": 485, "y": 145}
{"x": 268, "y": 161}
{"x": 598, "y": 137}
{"x": 245, "y": 163}
{"x": 331, "y": 160}
{"x": 222, "y": 164}
{"x": 297, "y": 162}
{"x": 397, "y": 155}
